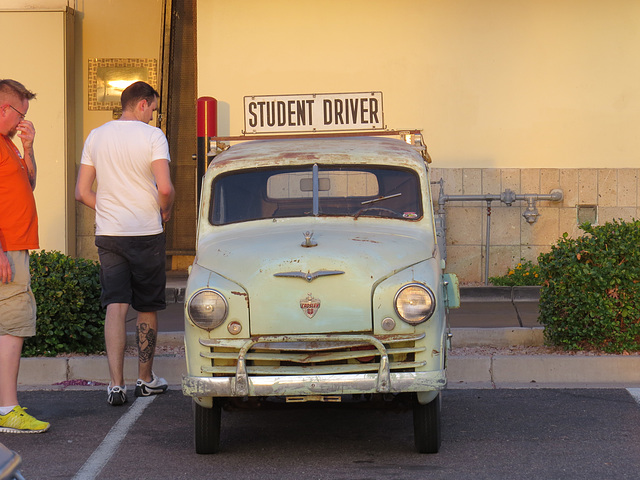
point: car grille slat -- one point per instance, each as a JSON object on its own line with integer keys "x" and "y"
{"x": 313, "y": 370}
{"x": 319, "y": 342}
{"x": 312, "y": 354}
{"x": 308, "y": 358}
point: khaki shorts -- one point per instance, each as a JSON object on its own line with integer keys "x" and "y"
{"x": 17, "y": 303}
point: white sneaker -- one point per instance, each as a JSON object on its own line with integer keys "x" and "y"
{"x": 154, "y": 387}
{"x": 117, "y": 395}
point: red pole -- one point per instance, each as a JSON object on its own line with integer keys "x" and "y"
{"x": 207, "y": 117}
{"x": 207, "y": 127}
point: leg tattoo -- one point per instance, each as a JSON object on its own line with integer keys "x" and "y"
{"x": 146, "y": 340}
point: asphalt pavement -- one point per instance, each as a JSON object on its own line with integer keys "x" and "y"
{"x": 503, "y": 434}
{"x": 489, "y": 333}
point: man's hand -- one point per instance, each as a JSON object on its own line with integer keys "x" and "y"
{"x": 26, "y": 133}
{"x": 166, "y": 191}
{"x": 5, "y": 268}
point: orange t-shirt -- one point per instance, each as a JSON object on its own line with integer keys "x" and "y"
{"x": 18, "y": 217}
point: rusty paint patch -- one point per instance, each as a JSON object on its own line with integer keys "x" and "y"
{"x": 242, "y": 294}
{"x": 364, "y": 240}
{"x": 300, "y": 156}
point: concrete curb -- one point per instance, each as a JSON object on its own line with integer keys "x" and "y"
{"x": 490, "y": 371}
{"x": 500, "y": 294}
{"x": 47, "y": 372}
{"x": 548, "y": 371}
{"x": 497, "y": 337}
{"x": 169, "y": 339}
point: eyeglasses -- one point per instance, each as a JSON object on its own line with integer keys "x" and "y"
{"x": 22, "y": 115}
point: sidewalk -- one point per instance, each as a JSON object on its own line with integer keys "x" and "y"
{"x": 489, "y": 317}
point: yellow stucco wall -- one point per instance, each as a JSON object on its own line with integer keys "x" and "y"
{"x": 493, "y": 83}
{"x": 44, "y": 71}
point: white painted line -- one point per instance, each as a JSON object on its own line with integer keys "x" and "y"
{"x": 635, "y": 393}
{"x": 99, "y": 458}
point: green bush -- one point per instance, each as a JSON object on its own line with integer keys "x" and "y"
{"x": 70, "y": 318}
{"x": 525, "y": 273}
{"x": 591, "y": 295}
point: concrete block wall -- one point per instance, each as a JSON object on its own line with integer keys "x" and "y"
{"x": 85, "y": 232}
{"x": 614, "y": 193}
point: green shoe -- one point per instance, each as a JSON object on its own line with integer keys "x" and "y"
{"x": 18, "y": 421}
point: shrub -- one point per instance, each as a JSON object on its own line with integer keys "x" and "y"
{"x": 525, "y": 273}
{"x": 70, "y": 318}
{"x": 591, "y": 295}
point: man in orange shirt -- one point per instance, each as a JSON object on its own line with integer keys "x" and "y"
{"x": 18, "y": 235}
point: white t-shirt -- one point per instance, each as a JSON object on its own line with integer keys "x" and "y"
{"x": 121, "y": 151}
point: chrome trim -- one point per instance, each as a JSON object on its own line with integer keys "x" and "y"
{"x": 316, "y": 191}
{"x": 294, "y": 342}
{"x": 312, "y": 384}
{"x": 316, "y": 370}
{"x": 309, "y": 276}
{"x": 308, "y": 242}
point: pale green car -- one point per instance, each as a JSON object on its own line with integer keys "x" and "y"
{"x": 318, "y": 278}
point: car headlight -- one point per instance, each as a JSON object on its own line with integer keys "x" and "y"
{"x": 415, "y": 303}
{"x": 208, "y": 309}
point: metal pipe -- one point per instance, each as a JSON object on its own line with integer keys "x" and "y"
{"x": 488, "y": 242}
{"x": 508, "y": 197}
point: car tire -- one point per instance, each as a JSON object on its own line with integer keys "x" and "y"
{"x": 427, "y": 425}
{"x": 207, "y": 423}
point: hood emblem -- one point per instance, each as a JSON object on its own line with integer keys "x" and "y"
{"x": 310, "y": 305}
{"x": 309, "y": 276}
{"x": 308, "y": 242}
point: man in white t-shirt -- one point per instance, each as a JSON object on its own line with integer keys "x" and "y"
{"x": 130, "y": 161}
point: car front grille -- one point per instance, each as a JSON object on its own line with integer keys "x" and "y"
{"x": 312, "y": 354}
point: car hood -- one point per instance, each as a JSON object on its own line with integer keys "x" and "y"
{"x": 320, "y": 288}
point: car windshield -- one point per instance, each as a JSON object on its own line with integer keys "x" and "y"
{"x": 316, "y": 190}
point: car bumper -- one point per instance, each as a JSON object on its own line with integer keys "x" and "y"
{"x": 259, "y": 386}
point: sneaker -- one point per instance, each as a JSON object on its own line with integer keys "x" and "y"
{"x": 154, "y": 387}
{"x": 117, "y": 395}
{"x": 18, "y": 421}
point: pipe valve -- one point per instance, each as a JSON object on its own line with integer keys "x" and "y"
{"x": 531, "y": 212}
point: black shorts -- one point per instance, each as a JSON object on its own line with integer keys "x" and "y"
{"x": 132, "y": 270}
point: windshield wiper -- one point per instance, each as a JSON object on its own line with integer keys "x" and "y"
{"x": 379, "y": 199}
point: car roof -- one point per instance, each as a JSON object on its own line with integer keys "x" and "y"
{"x": 351, "y": 150}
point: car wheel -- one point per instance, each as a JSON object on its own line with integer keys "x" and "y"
{"x": 426, "y": 425}
{"x": 207, "y": 427}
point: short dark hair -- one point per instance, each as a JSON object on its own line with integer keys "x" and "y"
{"x": 137, "y": 91}
{"x": 11, "y": 87}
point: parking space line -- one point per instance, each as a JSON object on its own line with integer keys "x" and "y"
{"x": 101, "y": 455}
{"x": 635, "y": 393}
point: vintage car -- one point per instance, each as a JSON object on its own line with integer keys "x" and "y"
{"x": 318, "y": 278}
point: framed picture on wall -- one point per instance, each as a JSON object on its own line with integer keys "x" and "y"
{"x": 108, "y": 77}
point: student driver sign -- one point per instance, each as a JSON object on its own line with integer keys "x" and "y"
{"x": 313, "y": 112}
